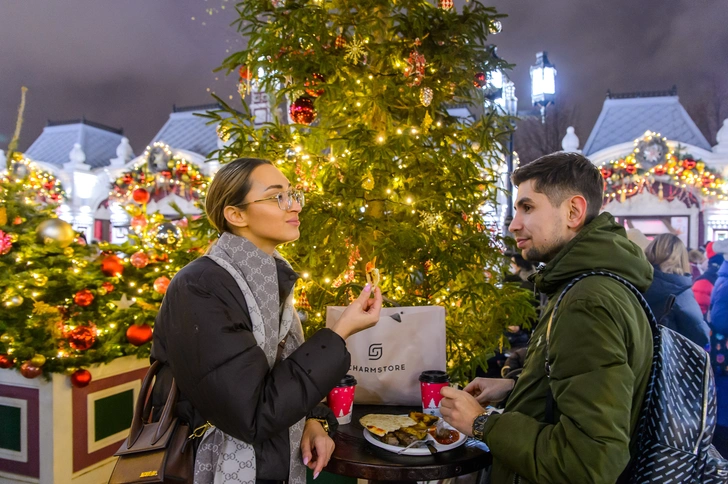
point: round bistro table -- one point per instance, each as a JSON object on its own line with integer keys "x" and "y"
{"x": 355, "y": 457}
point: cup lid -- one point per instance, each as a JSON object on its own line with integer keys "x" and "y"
{"x": 434, "y": 376}
{"x": 347, "y": 381}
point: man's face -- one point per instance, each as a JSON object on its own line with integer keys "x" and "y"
{"x": 540, "y": 229}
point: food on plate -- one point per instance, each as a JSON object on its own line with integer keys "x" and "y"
{"x": 400, "y": 430}
{"x": 380, "y": 424}
{"x": 372, "y": 273}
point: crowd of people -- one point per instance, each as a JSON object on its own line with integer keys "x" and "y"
{"x": 572, "y": 384}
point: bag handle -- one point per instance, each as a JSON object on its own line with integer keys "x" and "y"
{"x": 167, "y": 417}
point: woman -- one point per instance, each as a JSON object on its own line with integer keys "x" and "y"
{"x": 231, "y": 338}
{"x": 669, "y": 257}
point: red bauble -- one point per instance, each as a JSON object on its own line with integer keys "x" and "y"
{"x": 706, "y": 181}
{"x": 302, "y": 110}
{"x": 631, "y": 169}
{"x": 244, "y": 72}
{"x": 183, "y": 168}
{"x": 112, "y": 266}
{"x": 29, "y": 371}
{"x": 140, "y": 195}
{"x": 445, "y": 4}
{"x": 659, "y": 170}
{"x": 127, "y": 178}
{"x": 84, "y": 297}
{"x": 107, "y": 286}
{"x": 81, "y": 378}
{"x": 161, "y": 284}
{"x": 606, "y": 172}
{"x": 139, "y": 259}
{"x": 138, "y": 222}
{"x": 81, "y": 338}
{"x": 6, "y": 361}
{"x": 689, "y": 164}
{"x": 479, "y": 80}
{"x": 313, "y": 83}
{"x": 139, "y": 334}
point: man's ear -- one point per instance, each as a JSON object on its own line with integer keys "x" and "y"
{"x": 235, "y": 217}
{"x": 577, "y": 212}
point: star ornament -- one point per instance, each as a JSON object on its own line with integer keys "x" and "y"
{"x": 355, "y": 51}
{"x": 124, "y": 302}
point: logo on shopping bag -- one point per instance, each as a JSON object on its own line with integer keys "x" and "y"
{"x": 375, "y": 351}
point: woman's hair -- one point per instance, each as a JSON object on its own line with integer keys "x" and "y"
{"x": 229, "y": 189}
{"x": 668, "y": 253}
{"x": 522, "y": 263}
{"x": 696, "y": 257}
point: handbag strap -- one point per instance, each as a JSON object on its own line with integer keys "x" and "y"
{"x": 167, "y": 416}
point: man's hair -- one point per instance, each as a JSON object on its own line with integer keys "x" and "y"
{"x": 561, "y": 175}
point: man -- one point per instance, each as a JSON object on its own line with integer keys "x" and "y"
{"x": 600, "y": 343}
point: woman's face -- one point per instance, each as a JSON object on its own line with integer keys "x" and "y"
{"x": 263, "y": 222}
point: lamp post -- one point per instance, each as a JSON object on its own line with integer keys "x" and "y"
{"x": 543, "y": 83}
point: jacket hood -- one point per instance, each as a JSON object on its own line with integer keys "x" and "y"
{"x": 664, "y": 283}
{"x": 601, "y": 245}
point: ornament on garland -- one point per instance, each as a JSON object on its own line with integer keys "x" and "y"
{"x": 6, "y": 242}
{"x": 81, "y": 338}
{"x": 81, "y": 378}
{"x": 38, "y": 360}
{"x": 140, "y": 195}
{"x": 312, "y": 85}
{"x": 302, "y": 111}
{"x": 6, "y": 362}
{"x": 139, "y": 334}
{"x": 112, "y": 266}
{"x": 340, "y": 41}
{"x": 426, "y": 95}
{"x": 5, "y": 338}
{"x": 83, "y": 298}
{"x": 166, "y": 236}
{"x": 55, "y": 231}
{"x": 161, "y": 284}
{"x": 139, "y": 259}
{"x": 28, "y": 370}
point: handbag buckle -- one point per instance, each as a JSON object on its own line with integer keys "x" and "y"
{"x": 200, "y": 431}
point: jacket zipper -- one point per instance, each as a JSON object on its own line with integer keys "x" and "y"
{"x": 516, "y": 479}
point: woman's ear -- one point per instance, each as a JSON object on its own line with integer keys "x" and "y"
{"x": 235, "y": 217}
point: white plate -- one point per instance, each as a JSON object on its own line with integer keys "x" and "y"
{"x": 372, "y": 439}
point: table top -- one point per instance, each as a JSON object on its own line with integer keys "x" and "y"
{"x": 355, "y": 457}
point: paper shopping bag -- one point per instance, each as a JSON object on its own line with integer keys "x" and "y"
{"x": 387, "y": 360}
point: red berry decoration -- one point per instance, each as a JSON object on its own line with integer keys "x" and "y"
{"x": 161, "y": 284}
{"x": 29, "y": 371}
{"x": 606, "y": 172}
{"x": 81, "y": 338}
{"x": 659, "y": 170}
{"x": 108, "y": 287}
{"x": 81, "y": 378}
{"x": 6, "y": 361}
{"x": 139, "y": 259}
{"x": 689, "y": 164}
{"x": 302, "y": 110}
{"x": 631, "y": 169}
{"x": 112, "y": 266}
{"x": 139, "y": 334}
{"x": 311, "y": 85}
{"x": 140, "y": 195}
{"x": 479, "y": 80}
{"x": 83, "y": 298}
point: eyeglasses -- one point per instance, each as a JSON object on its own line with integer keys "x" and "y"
{"x": 285, "y": 199}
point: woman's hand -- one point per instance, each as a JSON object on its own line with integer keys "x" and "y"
{"x": 316, "y": 447}
{"x": 361, "y": 314}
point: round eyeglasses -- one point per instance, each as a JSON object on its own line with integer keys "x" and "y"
{"x": 285, "y": 199}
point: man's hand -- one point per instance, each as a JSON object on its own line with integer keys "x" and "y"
{"x": 459, "y": 409}
{"x": 490, "y": 390}
{"x": 316, "y": 447}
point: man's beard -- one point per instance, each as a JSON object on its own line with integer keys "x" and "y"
{"x": 544, "y": 255}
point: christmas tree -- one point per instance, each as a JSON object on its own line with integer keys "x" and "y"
{"x": 389, "y": 174}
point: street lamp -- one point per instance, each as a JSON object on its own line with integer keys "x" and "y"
{"x": 543, "y": 83}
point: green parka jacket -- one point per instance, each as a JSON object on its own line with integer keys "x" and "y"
{"x": 600, "y": 355}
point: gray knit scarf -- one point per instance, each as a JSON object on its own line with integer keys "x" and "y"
{"x": 221, "y": 458}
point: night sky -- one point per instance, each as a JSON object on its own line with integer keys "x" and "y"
{"x": 125, "y": 63}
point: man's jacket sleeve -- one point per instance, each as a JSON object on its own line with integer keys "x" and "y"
{"x": 592, "y": 385}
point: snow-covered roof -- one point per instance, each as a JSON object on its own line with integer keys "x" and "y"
{"x": 625, "y": 117}
{"x": 97, "y": 141}
{"x": 185, "y": 130}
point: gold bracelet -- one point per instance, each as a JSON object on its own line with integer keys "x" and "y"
{"x": 324, "y": 423}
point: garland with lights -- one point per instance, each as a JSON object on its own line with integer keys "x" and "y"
{"x": 672, "y": 176}
{"x": 37, "y": 184}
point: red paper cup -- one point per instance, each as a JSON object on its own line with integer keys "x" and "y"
{"x": 341, "y": 399}
{"x": 431, "y": 382}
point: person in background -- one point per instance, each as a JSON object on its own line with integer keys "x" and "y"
{"x": 697, "y": 259}
{"x": 669, "y": 258}
{"x": 703, "y": 286}
{"x": 636, "y": 236}
{"x": 718, "y": 352}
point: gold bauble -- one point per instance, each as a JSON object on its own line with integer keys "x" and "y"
{"x": 68, "y": 251}
{"x": 368, "y": 182}
{"x": 38, "y": 360}
{"x": 12, "y": 300}
{"x": 55, "y": 231}
{"x": 13, "y": 237}
{"x": 5, "y": 338}
{"x": 40, "y": 280}
{"x": 3, "y": 216}
{"x": 133, "y": 209}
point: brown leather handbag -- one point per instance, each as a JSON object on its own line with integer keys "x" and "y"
{"x": 155, "y": 452}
